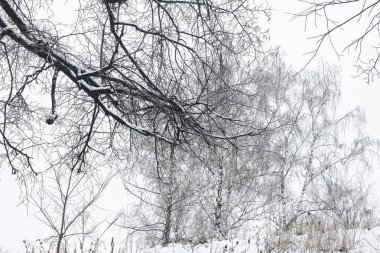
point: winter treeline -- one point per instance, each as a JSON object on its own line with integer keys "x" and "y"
{"x": 208, "y": 134}
{"x": 301, "y": 172}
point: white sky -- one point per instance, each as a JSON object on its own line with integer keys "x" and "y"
{"x": 16, "y": 224}
{"x": 294, "y": 41}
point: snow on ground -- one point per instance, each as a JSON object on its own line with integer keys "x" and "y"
{"x": 365, "y": 241}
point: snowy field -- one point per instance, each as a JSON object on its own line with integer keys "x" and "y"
{"x": 355, "y": 241}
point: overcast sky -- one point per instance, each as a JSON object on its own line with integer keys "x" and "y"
{"x": 16, "y": 225}
{"x": 295, "y": 41}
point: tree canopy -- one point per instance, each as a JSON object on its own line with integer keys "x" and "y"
{"x": 156, "y": 68}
